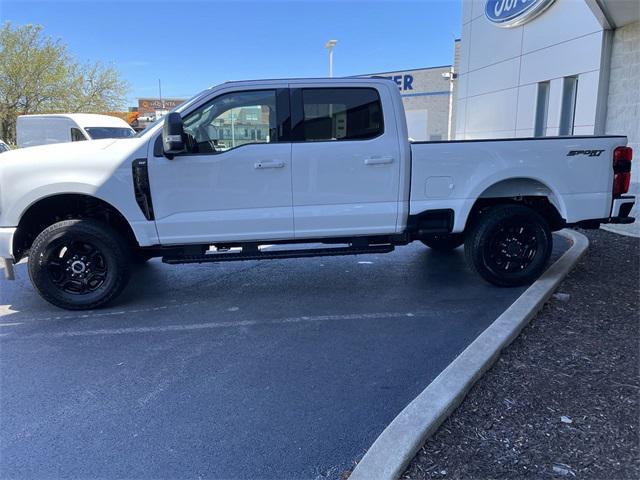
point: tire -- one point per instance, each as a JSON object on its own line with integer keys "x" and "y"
{"x": 79, "y": 264}
{"x": 444, "y": 243}
{"x": 509, "y": 245}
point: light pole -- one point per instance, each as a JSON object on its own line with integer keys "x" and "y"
{"x": 451, "y": 75}
{"x": 233, "y": 129}
{"x": 329, "y": 46}
{"x": 160, "y": 91}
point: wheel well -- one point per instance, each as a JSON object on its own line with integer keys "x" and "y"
{"x": 49, "y": 210}
{"x": 540, "y": 204}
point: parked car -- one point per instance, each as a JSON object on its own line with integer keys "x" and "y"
{"x": 334, "y": 167}
{"x": 149, "y": 117}
{"x": 4, "y": 147}
{"x": 34, "y": 130}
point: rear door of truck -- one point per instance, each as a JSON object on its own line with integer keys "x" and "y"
{"x": 345, "y": 159}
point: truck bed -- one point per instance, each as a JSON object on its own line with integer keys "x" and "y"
{"x": 575, "y": 173}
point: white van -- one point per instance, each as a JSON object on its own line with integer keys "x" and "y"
{"x": 33, "y": 130}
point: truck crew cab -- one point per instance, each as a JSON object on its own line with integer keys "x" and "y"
{"x": 278, "y": 162}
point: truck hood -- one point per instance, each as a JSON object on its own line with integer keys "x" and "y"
{"x": 100, "y": 168}
{"x": 59, "y": 151}
{"x": 73, "y": 157}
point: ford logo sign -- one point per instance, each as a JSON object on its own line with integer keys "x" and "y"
{"x": 512, "y": 13}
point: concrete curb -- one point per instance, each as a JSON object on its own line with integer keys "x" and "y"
{"x": 627, "y": 233}
{"x": 398, "y": 443}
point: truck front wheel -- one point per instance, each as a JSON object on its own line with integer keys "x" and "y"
{"x": 509, "y": 245}
{"x": 79, "y": 264}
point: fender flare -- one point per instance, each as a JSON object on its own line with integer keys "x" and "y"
{"x": 490, "y": 182}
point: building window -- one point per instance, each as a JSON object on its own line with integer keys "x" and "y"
{"x": 568, "y": 110}
{"x": 542, "y": 109}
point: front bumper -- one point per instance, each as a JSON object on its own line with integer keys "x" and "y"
{"x": 6, "y": 251}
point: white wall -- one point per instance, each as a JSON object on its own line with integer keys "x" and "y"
{"x": 500, "y": 69}
{"x": 623, "y": 109}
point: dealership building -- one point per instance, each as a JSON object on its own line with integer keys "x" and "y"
{"x": 534, "y": 68}
{"x": 427, "y": 95}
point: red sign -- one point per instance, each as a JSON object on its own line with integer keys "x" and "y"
{"x": 150, "y": 105}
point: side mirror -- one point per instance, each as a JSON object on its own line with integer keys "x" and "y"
{"x": 173, "y": 135}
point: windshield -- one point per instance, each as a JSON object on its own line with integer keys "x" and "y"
{"x": 180, "y": 107}
{"x": 98, "y": 133}
{"x": 149, "y": 127}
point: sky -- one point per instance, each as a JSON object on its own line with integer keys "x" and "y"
{"x": 192, "y": 45}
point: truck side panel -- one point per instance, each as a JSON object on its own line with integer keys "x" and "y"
{"x": 575, "y": 173}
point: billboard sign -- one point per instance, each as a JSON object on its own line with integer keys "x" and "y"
{"x": 152, "y": 105}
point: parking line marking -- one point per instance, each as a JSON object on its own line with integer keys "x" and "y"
{"x": 115, "y": 313}
{"x": 229, "y": 324}
{"x": 6, "y": 310}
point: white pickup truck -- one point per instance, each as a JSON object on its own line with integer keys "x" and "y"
{"x": 306, "y": 161}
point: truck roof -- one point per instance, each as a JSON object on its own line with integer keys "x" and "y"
{"x": 342, "y": 80}
{"x": 85, "y": 119}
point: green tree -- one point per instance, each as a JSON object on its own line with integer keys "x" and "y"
{"x": 38, "y": 75}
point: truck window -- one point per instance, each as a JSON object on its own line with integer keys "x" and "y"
{"x": 98, "y": 133}
{"x": 332, "y": 114}
{"x": 232, "y": 120}
{"x": 76, "y": 135}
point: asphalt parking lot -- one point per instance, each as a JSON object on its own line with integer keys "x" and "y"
{"x": 275, "y": 369}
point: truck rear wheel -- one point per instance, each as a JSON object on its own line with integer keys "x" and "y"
{"x": 444, "y": 242}
{"x": 509, "y": 245}
{"x": 79, "y": 264}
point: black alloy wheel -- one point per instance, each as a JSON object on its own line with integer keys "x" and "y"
{"x": 512, "y": 247}
{"x": 79, "y": 264}
{"x": 77, "y": 268}
{"x": 509, "y": 245}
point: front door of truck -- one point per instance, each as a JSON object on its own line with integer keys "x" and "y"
{"x": 234, "y": 183}
{"x": 346, "y": 161}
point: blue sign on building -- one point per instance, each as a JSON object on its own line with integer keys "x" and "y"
{"x": 512, "y": 13}
{"x": 404, "y": 82}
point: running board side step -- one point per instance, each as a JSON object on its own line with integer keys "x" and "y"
{"x": 264, "y": 255}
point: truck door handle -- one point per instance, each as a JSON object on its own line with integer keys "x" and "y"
{"x": 268, "y": 164}
{"x": 378, "y": 160}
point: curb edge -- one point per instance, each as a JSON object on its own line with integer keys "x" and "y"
{"x": 396, "y": 446}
